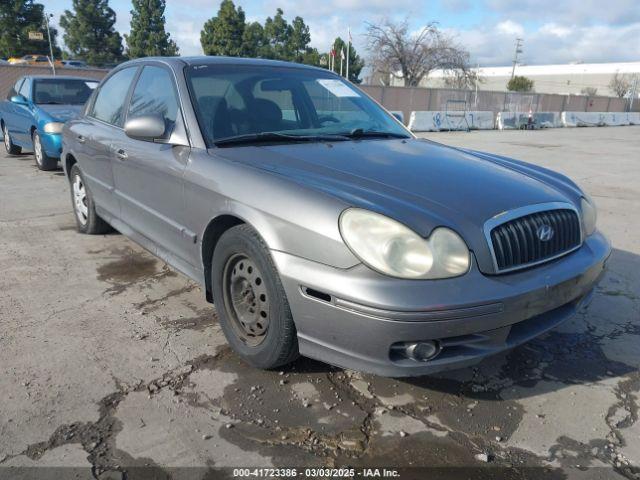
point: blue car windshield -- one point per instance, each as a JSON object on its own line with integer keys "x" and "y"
{"x": 62, "y": 91}
{"x": 244, "y": 101}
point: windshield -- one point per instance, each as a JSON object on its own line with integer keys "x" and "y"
{"x": 62, "y": 91}
{"x": 248, "y": 100}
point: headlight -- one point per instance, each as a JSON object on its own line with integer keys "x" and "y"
{"x": 589, "y": 216}
{"x": 393, "y": 249}
{"x": 53, "y": 127}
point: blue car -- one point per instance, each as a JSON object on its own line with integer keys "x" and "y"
{"x": 34, "y": 113}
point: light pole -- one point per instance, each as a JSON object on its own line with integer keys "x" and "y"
{"x": 46, "y": 20}
{"x": 515, "y": 55}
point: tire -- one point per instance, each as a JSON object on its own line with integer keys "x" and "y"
{"x": 87, "y": 220}
{"x": 43, "y": 161}
{"x": 8, "y": 144}
{"x": 241, "y": 262}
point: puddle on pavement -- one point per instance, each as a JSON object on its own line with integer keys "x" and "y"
{"x": 130, "y": 267}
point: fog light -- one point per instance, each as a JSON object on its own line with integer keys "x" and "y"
{"x": 422, "y": 351}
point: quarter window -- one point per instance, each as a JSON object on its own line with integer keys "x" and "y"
{"x": 154, "y": 94}
{"x": 24, "y": 89}
{"x": 109, "y": 104}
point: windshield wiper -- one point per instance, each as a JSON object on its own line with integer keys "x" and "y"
{"x": 360, "y": 133}
{"x": 275, "y": 137}
{"x": 49, "y": 103}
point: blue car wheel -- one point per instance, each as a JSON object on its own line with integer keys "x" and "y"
{"x": 8, "y": 144}
{"x": 44, "y": 161}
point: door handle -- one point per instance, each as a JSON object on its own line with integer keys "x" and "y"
{"x": 121, "y": 154}
{"x": 81, "y": 139}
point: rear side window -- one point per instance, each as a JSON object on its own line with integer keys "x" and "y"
{"x": 155, "y": 95}
{"x": 25, "y": 89}
{"x": 109, "y": 104}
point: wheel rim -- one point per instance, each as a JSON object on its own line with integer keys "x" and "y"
{"x": 80, "y": 200}
{"x": 7, "y": 140}
{"x": 37, "y": 148}
{"x": 246, "y": 300}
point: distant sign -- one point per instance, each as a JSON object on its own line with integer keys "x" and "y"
{"x": 36, "y": 36}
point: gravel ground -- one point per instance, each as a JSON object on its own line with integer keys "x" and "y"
{"x": 110, "y": 360}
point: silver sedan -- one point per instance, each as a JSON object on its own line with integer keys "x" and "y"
{"x": 319, "y": 225}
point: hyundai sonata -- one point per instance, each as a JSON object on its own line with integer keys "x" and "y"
{"x": 319, "y": 225}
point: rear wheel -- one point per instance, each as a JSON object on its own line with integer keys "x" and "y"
{"x": 87, "y": 220}
{"x": 44, "y": 161}
{"x": 8, "y": 144}
{"x": 251, "y": 303}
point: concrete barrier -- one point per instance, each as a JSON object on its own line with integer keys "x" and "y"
{"x": 597, "y": 119}
{"x": 435, "y": 121}
{"x": 516, "y": 120}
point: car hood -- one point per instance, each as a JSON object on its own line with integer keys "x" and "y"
{"x": 61, "y": 113}
{"x": 420, "y": 183}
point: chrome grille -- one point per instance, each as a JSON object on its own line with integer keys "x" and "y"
{"x": 517, "y": 242}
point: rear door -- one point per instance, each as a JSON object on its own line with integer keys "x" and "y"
{"x": 96, "y": 136}
{"x": 149, "y": 175}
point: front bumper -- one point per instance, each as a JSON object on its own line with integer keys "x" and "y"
{"x": 52, "y": 144}
{"x": 362, "y": 313}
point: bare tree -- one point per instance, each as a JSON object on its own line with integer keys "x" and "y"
{"x": 399, "y": 53}
{"x": 589, "y": 91}
{"x": 462, "y": 79}
{"x": 620, "y": 85}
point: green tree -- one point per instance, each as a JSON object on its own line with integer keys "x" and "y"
{"x": 253, "y": 41}
{"x": 90, "y": 33}
{"x": 148, "y": 36}
{"x": 17, "y": 19}
{"x": 298, "y": 39}
{"x": 224, "y": 33}
{"x": 356, "y": 64}
{"x": 520, "y": 84}
{"x": 277, "y": 34}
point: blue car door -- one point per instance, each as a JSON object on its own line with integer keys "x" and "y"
{"x": 9, "y": 108}
{"x": 23, "y": 117}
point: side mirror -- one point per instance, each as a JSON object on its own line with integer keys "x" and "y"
{"x": 145, "y": 127}
{"x": 19, "y": 100}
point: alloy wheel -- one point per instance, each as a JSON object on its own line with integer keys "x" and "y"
{"x": 80, "y": 204}
{"x": 7, "y": 140}
{"x": 37, "y": 148}
{"x": 246, "y": 299}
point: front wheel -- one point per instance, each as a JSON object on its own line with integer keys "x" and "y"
{"x": 44, "y": 161}
{"x": 8, "y": 144}
{"x": 87, "y": 220}
{"x": 251, "y": 303}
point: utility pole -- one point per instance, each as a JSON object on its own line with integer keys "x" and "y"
{"x": 515, "y": 55}
{"x": 46, "y": 20}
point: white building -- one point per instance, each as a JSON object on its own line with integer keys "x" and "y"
{"x": 561, "y": 79}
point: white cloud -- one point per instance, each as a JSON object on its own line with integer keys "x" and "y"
{"x": 552, "y": 43}
{"x": 509, "y": 27}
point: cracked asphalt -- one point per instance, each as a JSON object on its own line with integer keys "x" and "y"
{"x": 110, "y": 361}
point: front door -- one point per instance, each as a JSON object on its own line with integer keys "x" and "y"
{"x": 149, "y": 175}
{"x": 94, "y": 139}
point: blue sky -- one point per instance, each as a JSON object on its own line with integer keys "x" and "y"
{"x": 554, "y": 31}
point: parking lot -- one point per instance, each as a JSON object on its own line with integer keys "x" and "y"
{"x": 110, "y": 360}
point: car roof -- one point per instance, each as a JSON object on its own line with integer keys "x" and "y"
{"x": 219, "y": 60}
{"x": 65, "y": 77}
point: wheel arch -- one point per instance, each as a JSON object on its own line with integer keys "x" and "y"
{"x": 69, "y": 161}
{"x": 215, "y": 229}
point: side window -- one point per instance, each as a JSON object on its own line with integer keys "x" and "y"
{"x": 155, "y": 94}
{"x": 15, "y": 89}
{"x": 109, "y": 104}
{"x": 25, "y": 89}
